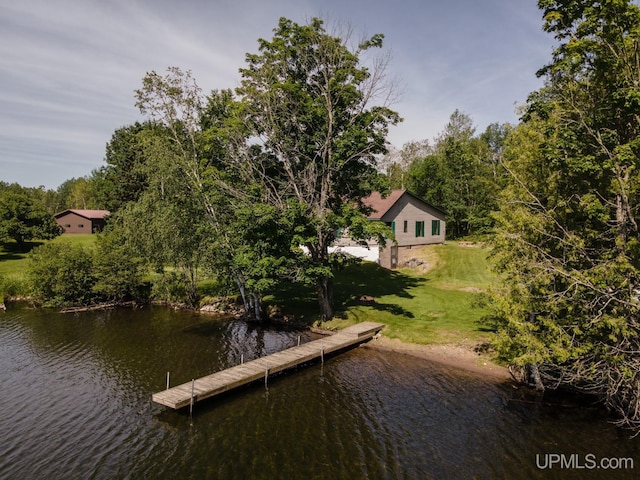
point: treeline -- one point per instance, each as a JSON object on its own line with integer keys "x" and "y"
{"x": 460, "y": 172}
{"x": 234, "y": 183}
{"x": 251, "y": 186}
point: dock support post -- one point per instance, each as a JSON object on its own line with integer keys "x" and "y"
{"x": 242, "y": 359}
{"x": 322, "y": 353}
{"x": 266, "y": 377}
{"x": 167, "y": 380}
{"x": 298, "y": 340}
{"x": 193, "y": 381}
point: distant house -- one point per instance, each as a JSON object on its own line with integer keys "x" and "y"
{"x": 82, "y": 221}
{"x": 414, "y": 222}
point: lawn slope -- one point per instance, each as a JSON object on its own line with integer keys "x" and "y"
{"x": 438, "y": 305}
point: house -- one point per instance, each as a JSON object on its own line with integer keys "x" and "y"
{"x": 414, "y": 222}
{"x": 82, "y": 221}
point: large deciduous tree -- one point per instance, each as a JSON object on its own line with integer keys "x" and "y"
{"x": 321, "y": 116}
{"x": 198, "y": 212}
{"x": 570, "y": 242}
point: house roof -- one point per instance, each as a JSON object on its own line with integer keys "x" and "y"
{"x": 382, "y": 205}
{"x": 88, "y": 214}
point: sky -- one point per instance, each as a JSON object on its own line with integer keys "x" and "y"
{"x": 69, "y": 68}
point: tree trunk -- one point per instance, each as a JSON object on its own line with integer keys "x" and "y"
{"x": 533, "y": 377}
{"x": 325, "y": 298}
{"x": 245, "y": 302}
{"x": 256, "y": 300}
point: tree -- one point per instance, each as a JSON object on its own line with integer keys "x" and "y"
{"x": 184, "y": 153}
{"x": 23, "y": 217}
{"x": 459, "y": 175}
{"x": 166, "y": 224}
{"x": 126, "y": 172}
{"x": 396, "y": 162}
{"x": 494, "y": 138}
{"x": 320, "y": 117}
{"x": 569, "y": 242}
{"x": 88, "y": 192}
{"x": 117, "y": 269}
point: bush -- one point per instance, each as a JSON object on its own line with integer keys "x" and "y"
{"x": 61, "y": 274}
{"x": 170, "y": 287}
{"x": 118, "y": 273}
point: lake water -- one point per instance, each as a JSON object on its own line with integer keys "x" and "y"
{"x": 75, "y": 403}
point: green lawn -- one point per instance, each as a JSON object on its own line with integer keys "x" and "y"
{"x": 436, "y": 306}
{"x": 433, "y": 307}
{"x": 13, "y": 262}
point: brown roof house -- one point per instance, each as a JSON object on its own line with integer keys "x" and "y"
{"x": 414, "y": 222}
{"x": 82, "y": 221}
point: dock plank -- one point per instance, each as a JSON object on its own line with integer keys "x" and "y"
{"x": 248, "y": 372}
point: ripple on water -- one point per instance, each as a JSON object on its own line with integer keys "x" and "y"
{"x": 76, "y": 404}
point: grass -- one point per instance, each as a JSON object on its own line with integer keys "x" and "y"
{"x": 436, "y": 306}
{"x": 13, "y": 262}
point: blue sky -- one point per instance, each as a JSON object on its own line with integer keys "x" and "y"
{"x": 69, "y": 68}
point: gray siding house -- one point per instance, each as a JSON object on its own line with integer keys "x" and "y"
{"x": 414, "y": 222}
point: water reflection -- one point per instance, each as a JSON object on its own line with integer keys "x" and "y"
{"x": 76, "y": 404}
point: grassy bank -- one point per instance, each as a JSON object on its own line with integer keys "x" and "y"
{"x": 13, "y": 261}
{"x": 433, "y": 304}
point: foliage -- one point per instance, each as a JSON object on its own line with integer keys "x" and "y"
{"x": 23, "y": 216}
{"x": 171, "y": 287}
{"x": 67, "y": 272}
{"x": 312, "y": 104}
{"x": 180, "y": 219}
{"x": 88, "y": 192}
{"x": 156, "y": 225}
{"x": 459, "y": 173}
{"x": 61, "y": 274}
{"x": 126, "y": 170}
{"x": 569, "y": 237}
{"x": 80, "y": 193}
{"x": 12, "y": 286}
{"x": 258, "y": 190}
{"x": 395, "y": 163}
{"x": 117, "y": 270}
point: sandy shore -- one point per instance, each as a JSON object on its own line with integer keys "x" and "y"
{"x": 457, "y": 356}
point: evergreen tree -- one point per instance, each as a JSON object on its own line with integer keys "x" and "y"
{"x": 569, "y": 242}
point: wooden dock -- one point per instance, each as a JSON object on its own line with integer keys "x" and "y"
{"x": 234, "y": 377}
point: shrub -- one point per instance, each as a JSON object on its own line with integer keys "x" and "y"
{"x": 170, "y": 287}
{"x": 117, "y": 271}
{"x": 61, "y": 274}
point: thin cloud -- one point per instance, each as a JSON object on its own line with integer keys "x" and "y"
{"x": 68, "y": 69}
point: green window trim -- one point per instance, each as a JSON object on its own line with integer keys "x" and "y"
{"x": 392, "y": 226}
{"x": 435, "y": 227}
{"x": 420, "y": 228}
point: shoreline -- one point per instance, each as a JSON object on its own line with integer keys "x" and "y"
{"x": 456, "y": 356}
{"x": 461, "y": 357}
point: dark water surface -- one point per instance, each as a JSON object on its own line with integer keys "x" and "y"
{"x": 75, "y": 403}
